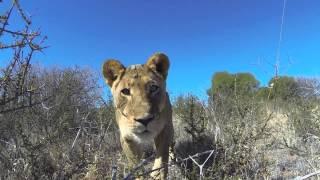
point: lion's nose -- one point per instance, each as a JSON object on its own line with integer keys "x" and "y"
{"x": 145, "y": 120}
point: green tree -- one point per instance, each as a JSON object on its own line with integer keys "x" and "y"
{"x": 239, "y": 84}
{"x": 284, "y": 88}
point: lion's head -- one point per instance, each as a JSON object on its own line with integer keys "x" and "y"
{"x": 139, "y": 94}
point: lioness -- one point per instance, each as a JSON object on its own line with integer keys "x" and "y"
{"x": 143, "y": 109}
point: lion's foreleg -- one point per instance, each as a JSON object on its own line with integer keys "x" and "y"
{"x": 162, "y": 142}
{"x": 133, "y": 152}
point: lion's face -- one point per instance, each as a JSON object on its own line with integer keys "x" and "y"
{"x": 139, "y": 94}
{"x": 139, "y": 99}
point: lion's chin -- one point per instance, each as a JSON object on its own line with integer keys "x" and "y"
{"x": 139, "y": 134}
{"x": 140, "y": 137}
{"x": 145, "y": 137}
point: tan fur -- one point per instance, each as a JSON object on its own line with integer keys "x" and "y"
{"x": 140, "y": 96}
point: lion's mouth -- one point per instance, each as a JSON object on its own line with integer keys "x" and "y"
{"x": 143, "y": 133}
{"x": 140, "y": 130}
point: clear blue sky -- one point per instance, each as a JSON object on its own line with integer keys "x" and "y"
{"x": 200, "y": 37}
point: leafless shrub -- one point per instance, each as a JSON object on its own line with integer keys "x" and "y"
{"x": 304, "y": 121}
{"x": 235, "y": 127}
{"x": 16, "y": 90}
{"x": 66, "y": 135}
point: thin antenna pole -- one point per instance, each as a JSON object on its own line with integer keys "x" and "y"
{"x": 277, "y": 65}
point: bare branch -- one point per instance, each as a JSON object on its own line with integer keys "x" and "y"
{"x": 151, "y": 158}
{"x": 308, "y": 175}
{"x": 22, "y": 13}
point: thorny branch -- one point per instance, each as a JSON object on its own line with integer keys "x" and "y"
{"x": 308, "y": 175}
{"x": 201, "y": 165}
{"x": 16, "y": 88}
{"x": 149, "y": 159}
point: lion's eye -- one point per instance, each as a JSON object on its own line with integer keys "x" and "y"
{"x": 154, "y": 88}
{"x": 125, "y": 91}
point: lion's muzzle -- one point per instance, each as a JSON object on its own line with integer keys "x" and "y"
{"x": 145, "y": 120}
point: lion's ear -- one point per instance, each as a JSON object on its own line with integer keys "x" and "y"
{"x": 159, "y": 62}
{"x": 111, "y": 69}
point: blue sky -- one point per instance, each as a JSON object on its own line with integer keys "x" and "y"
{"x": 200, "y": 37}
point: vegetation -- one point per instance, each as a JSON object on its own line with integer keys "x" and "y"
{"x": 226, "y": 84}
{"x": 55, "y": 123}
